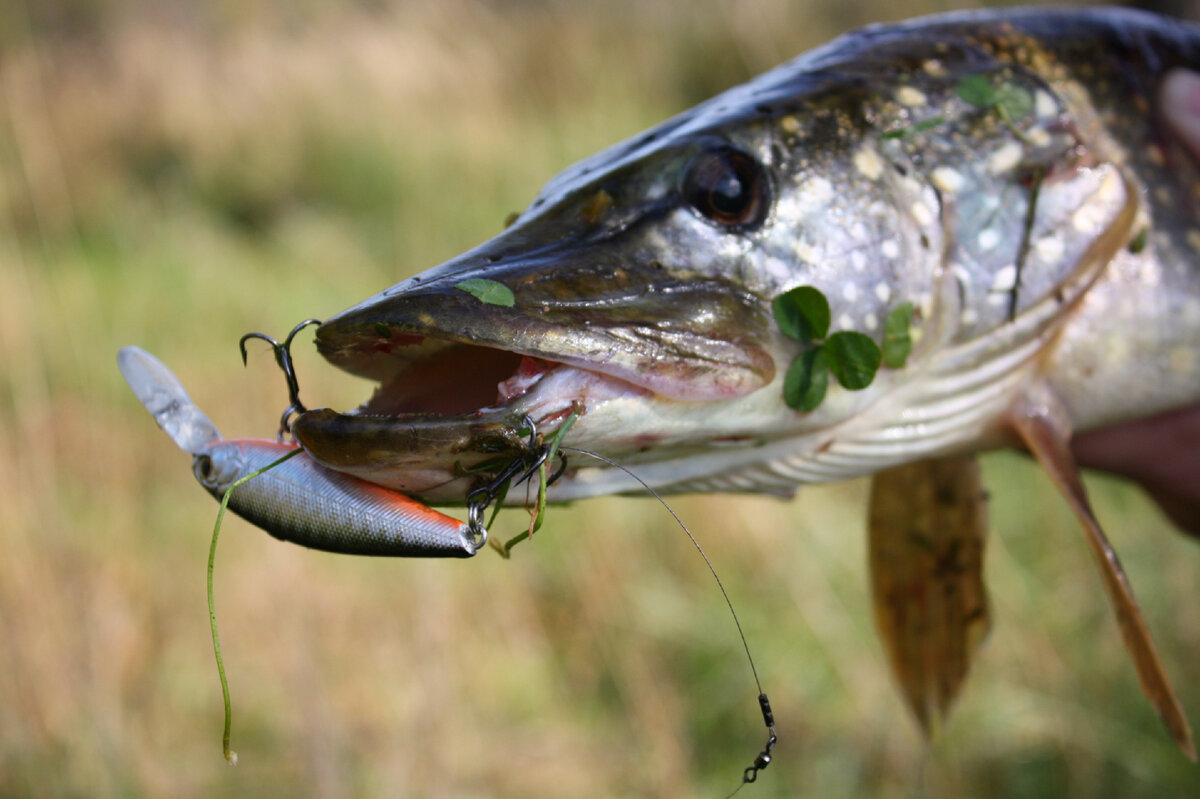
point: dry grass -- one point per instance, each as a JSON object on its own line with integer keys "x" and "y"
{"x": 175, "y": 178}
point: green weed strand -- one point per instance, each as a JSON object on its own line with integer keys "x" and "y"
{"x": 230, "y": 755}
{"x": 505, "y": 549}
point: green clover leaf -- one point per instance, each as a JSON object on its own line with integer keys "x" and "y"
{"x": 853, "y": 358}
{"x": 806, "y": 381}
{"x": 802, "y": 314}
{"x": 489, "y": 292}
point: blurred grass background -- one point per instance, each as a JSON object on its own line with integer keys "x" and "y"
{"x": 174, "y": 174}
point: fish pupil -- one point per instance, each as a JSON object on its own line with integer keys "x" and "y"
{"x": 727, "y": 187}
{"x": 729, "y": 196}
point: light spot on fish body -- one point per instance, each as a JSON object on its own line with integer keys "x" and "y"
{"x": 1088, "y": 219}
{"x": 921, "y": 213}
{"x": 925, "y": 305}
{"x": 868, "y": 163}
{"x": 1049, "y": 248}
{"x": 817, "y": 189}
{"x": 879, "y": 209}
{"x": 946, "y": 179}
{"x": 913, "y": 98}
{"x": 1005, "y": 278}
{"x": 890, "y": 249}
{"x": 1044, "y": 105}
{"x": 934, "y": 68}
{"x": 988, "y": 238}
{"x": 969, "y": 316}
{"x": 789, "y": 124}
{"x": 806, "y": 252}
{"x": 1038, "y": 137}
{"x": 845, "y": 322}
{"x": 871, "y": 321}
{"x": 850, "y": 292}
{"x": 1005, "y": 159}
{"x": 883, "y": 292}
{"x": 858, "y": 260}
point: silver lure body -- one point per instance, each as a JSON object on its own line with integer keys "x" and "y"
{"x": 298, "y": 500}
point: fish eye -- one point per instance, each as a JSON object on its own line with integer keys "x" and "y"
{"x": 203, "y": 468}
{"x": 728, "y": 187}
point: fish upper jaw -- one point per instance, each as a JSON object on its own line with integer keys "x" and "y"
{"x": 684, "y": 337}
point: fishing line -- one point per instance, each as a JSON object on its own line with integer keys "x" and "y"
{"x": 230, "y": 755}
{"x": 764, "y": 757}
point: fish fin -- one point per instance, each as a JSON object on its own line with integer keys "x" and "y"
{"x": 1043, "y": 424}
{"x": 928, "y": 522}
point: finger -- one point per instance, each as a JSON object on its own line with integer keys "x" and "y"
{"x": 1179, "y": 98}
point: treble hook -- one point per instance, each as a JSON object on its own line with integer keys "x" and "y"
{"x": 517, "y": 471}
{"x": 283, "y": 357}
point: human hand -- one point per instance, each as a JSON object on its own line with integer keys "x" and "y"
{"x": 1161, "y": 453}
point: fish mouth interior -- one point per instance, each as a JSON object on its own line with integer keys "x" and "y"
{"x": 445, "y": 409}
{"x": 454, "y": 379}
{"x": 434, "y": 378}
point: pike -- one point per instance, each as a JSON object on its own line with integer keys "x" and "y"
{"x": 999, "y": 183}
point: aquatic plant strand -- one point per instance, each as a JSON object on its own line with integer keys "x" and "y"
{"x": 535, "y": 523}
{"x": 230, "y": 755}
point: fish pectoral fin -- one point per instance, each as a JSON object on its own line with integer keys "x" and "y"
{"x": 928, "y": 522}
{"x": 1043, "y": 424}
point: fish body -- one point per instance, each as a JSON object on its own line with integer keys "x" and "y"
{"x": 1045, "y": 232}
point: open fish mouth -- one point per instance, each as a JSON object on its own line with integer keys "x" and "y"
{"x": 448, "y": 409}
{"x": 458, "y": 377}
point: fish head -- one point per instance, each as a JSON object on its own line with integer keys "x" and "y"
{"x": 596, "y": 276}
{"x": 637, "y": 292}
